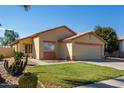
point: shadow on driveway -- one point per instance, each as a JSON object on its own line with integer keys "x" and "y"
{"x": 107, "y": 60}
{"x": 99, "y": 85}
{"x": 89, "y": 84}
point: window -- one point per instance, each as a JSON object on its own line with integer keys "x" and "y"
{"x": 28, "y": 48}
{"x": 49, "y": 46}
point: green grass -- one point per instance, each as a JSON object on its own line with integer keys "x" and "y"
{"x": 73, "y": 74}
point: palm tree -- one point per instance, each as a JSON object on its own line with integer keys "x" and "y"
{"x": 26, "y": 7}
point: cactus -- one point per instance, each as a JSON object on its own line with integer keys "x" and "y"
{"x": 28, "y": 80}
{"x": 15, "y": 68}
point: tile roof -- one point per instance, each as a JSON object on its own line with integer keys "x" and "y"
{"x": 82, "y": 34}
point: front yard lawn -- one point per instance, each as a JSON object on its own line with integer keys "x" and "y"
{"x": 73, "y": 74}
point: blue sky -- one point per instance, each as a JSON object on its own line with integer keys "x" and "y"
{"x": 78, "y": 18}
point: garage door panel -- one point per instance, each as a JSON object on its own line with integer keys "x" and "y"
{"x": 87, "y": 51}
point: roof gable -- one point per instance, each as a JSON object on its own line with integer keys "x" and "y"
{"x": 55, "y": 29}
{"x": 83, "y": 34}
{"x": 46, "y": 31}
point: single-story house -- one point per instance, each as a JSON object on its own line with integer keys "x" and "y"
{"x": 61, "y": 43}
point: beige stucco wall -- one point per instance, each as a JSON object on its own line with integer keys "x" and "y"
{"x": 36, "y": 49}
{"x": 65, "y": 50}
{"x": 88, "y": 51}
{"x": 90, "y": 38}
{"x": 55, "y": 35}
{"x": 7, "y": 52}
{"x": 15, "y": 47}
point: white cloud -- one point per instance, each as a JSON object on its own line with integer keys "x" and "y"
{"x": 2, "y": 28}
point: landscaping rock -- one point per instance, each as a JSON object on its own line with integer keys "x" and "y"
{"x": 7, "y": 85}
{"x": 10, "y": 82}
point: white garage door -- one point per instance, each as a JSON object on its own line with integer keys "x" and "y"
{"x": 87, "y": 52}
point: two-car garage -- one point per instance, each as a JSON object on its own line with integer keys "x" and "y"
{"x": 86, "y": 46}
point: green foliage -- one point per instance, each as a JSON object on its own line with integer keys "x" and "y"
{"x": 28, "y": 80}
{"x": 15, "y": 68}
{"x": 18, "y": 56}
{"x": 1, "y": 57}
{"x": 110, "y": 36}
{"x": 9, "y": 37}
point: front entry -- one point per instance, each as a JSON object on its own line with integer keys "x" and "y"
{"x": 28, "y": 49}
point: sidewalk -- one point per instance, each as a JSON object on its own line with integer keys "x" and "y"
{"x": 111, "y": 83}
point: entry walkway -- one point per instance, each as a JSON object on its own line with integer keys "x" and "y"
{"x": 38, "y": 62}
{"x": 48, "y": 62}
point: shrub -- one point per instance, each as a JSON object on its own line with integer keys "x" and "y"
{"x": 28, "y": 80}
{"x": 18, "y": 55}
{"x": 15, "y": 68}
{"x": 1, "y": 57}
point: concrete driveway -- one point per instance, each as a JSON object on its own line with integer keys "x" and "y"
{"x": 111, "y": 83}
{"x": 117, "y": 63}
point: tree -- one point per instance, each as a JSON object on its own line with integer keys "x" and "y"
{"x": 110, "y": 36}
{"x": 9, "y": 37}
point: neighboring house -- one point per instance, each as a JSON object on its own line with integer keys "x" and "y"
{"x": 121, "y": 46}
{"x": 121, "y": 41}
{"x": 61, "y": 43}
